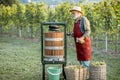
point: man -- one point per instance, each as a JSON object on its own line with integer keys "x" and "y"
{"x": 81, "y": 34}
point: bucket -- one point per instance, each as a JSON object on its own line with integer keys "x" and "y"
{"x": 54, "y": 73}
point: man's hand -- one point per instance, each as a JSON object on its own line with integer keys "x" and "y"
{"x": 72, "y": 34}
{"x": 81, "y": 40}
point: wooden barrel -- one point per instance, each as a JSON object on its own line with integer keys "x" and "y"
{"x": 54, "y": 44}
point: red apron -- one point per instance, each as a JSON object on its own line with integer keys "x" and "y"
{"x": 83, "y": 50}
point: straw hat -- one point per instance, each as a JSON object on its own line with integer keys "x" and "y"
{"x": 76, "y": 8}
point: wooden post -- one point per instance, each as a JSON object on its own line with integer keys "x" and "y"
{"x": 106, "y": 42}
{"x": 116, "y": 44}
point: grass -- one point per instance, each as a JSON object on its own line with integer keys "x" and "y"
{"x": 20, "y": 60}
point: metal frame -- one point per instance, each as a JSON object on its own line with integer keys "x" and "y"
{"x": 65, "y": 48}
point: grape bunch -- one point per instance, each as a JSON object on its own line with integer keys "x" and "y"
{"x": 98, "y": 63}
{"x": 76, "y": 67}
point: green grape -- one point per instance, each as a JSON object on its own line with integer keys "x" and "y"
{"x": 98, "y": 63}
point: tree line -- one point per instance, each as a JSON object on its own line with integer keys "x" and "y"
{"x": 104, "y": 16}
